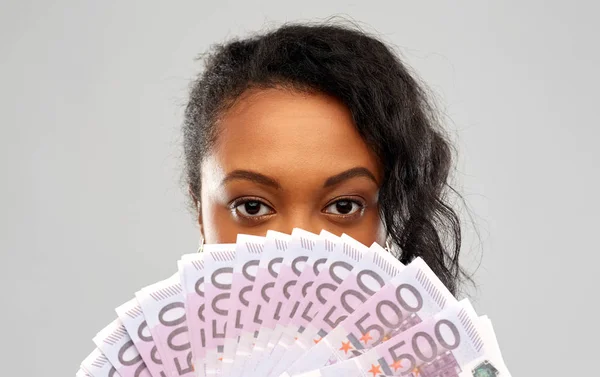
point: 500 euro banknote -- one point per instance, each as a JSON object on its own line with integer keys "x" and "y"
{"x": 299, "y": 270}
{"x": 368, "y": 276}
{"x": 97, "y": 365}
{"x": 258, "y": 297}
{"x": 248, "y": 252}
{"x": 117, "y": 346}
{"x": 191, "y": 275}
{"x": 164, "y": 309}
{"x": 412, "y": 295}
{"x": 219, "y": 260}
{"x": 339, "y": 265}
{"x": 132, "y": 317}
{"x": 449, "y": 343}
{"x": 305, "y": 251}
{"x": 292, "y": 289}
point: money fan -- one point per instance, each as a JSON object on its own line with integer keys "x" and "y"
{"x": 296, "y": 305}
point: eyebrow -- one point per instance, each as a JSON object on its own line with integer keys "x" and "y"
{"x": 251, "y": 176}
{"x": 264, "y": 180}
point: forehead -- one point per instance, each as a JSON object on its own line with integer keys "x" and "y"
{"x": 282, "y": 132}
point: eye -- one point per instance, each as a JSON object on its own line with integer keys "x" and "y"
{"x": 251, "y": 208}
{"x": 345, "y": 207}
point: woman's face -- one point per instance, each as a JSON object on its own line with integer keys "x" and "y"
{"x": 288, "y": 159}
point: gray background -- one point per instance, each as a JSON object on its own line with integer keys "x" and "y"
{"x": 91, "y": 97}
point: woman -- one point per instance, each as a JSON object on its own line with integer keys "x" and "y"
{"x": 319, "y": 127}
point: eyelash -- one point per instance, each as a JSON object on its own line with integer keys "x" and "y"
{"x": 236, "y": 203}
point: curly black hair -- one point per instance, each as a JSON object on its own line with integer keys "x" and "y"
{"x": 389, "y": 107}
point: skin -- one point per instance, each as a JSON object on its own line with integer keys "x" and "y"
{"x": 296, "y": 142}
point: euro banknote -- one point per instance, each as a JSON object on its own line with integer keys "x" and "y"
{"x": 299, "y": 304}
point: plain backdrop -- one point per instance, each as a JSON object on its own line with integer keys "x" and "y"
{"x": 91, "y": 101}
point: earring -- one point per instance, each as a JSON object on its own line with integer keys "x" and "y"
{"x": 395, "y": 251}
{"x": 201, "y": 244}
{"x": 388, "y": 247}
